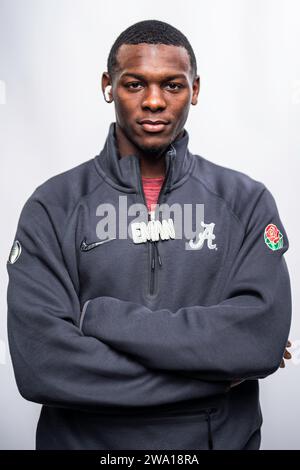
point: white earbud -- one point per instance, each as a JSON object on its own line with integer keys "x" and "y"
{"x": 106, "y": 93}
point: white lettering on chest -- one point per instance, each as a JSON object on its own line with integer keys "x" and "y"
{"x": 153, "y": 230}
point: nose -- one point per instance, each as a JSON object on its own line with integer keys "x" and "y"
{"x": 153, "y": 99}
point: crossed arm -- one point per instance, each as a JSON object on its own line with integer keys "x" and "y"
{"x": 192, "y": 353}
{"x": 243, "y": 336}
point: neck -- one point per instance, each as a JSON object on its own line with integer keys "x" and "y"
{"x": 152, "y": 166}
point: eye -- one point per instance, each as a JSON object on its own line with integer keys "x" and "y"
{"x": 133, "y": 85}
{"x": 175, "y": 86}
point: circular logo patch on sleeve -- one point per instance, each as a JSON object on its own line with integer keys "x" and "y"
{"x": 15, "y": 252}
{"x": 273, "y": 237}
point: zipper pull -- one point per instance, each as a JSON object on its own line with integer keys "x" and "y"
{"x": 153, "y": 260}
{"x": 152, "y": 268}
{"x": 158, "y": 255}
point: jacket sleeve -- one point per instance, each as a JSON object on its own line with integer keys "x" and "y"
{"x": 54, "y": 363}
{"x": 243, "y": 336}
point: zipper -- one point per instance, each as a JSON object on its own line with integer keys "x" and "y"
{"x": 153, "y": 275}
{"x": 153, "y": 244}
{"x": 145, "y": 203}
{"x": 140, "y": 185}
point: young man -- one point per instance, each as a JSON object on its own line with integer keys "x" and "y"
{"x": 149, "y": 330}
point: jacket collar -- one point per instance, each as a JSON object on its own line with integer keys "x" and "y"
{"x": 123, "y": 173}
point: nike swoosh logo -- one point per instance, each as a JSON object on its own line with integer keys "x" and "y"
{"x": 89, "y": 246}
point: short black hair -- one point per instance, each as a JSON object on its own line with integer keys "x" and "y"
{"x": 150, "y": 32}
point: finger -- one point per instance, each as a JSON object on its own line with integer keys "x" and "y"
{"x": 289, "y": 344}
{"x": 287, "y": 354}
{"x": 282, "y": 364}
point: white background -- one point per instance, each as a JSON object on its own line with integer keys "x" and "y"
{"x": 53, "y": 117}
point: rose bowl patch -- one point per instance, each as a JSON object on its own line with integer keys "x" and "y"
{"x": 273, "y": 237}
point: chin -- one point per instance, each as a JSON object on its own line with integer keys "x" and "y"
{"x": 153, "y": 149}
{"x": 154, "y": 143}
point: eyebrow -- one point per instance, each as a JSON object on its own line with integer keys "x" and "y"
{"x": 141, "y": 77}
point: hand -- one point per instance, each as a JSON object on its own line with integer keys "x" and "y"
{"x": 286, "y": 355}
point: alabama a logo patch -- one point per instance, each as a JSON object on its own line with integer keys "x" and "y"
{"x": 14, "y": 252}
{"x": 273, "y": 237}
{"x": 207, "y": 234}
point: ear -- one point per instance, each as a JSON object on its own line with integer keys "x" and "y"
{"x": 107, "y": 87}
{"x": 196, "y": 89}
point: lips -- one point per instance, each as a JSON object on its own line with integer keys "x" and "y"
{"x": 153, "y": 126}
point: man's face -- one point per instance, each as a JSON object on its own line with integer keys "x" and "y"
{"x": 153, "y": 82}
